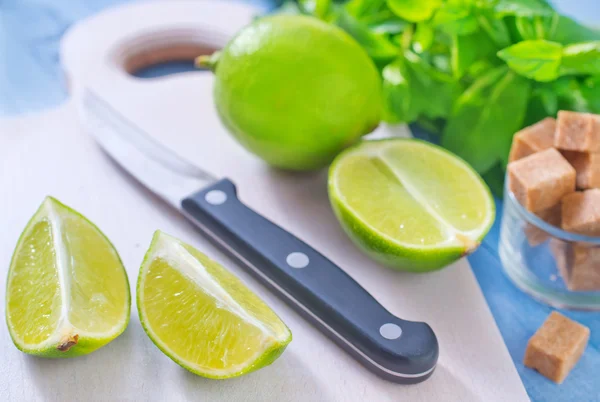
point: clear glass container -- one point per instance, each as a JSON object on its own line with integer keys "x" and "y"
{"x": 559, "y": 268}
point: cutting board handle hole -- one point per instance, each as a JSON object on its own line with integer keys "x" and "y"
{"x": 165, "y": 52}
{"x": 165, "y": 68}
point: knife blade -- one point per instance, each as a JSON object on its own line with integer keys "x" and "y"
{"x": 397, "y": 350}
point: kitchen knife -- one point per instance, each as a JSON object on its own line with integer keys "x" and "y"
{"x": 398, "y": 350}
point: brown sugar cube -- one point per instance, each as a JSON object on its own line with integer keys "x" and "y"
{"x": 577, "y": 132}
{"x": 541, "y": 180}
{"x": 584, "y": 268}
{"x": 556, "y": 347}
{"x": 578, "y": 265}
{"x": 532, "y": 139}
{"x": 584, "y": 274}
{"x": 587, "y": 166}
{"x": 537, "y": 236}
{"x": 581, "y": 212}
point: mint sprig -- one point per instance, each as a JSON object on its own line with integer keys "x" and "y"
{"x": 476, "y": 70}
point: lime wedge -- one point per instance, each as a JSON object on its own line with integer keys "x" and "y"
{"x": 203, "y": 317}
{"x": 67, "y": 291}
{"x": 409, "y": 204}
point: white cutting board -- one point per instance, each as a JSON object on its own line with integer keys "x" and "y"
{"x": 50, "y": 153}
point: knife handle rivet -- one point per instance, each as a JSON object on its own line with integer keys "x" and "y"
{"x": 390, "y": 331}
{"x": 215, "y": 197}
{"x": 297, "y": 260}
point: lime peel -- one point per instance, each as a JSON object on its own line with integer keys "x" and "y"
{"x": 296, "y": 103}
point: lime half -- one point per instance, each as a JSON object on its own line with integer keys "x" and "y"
{"x": 409, "y": 204}
{"x": 67, "y": 291}
{"x": 202, "y": 316}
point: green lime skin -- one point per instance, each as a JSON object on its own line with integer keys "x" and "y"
{"x": 295, "y": 91}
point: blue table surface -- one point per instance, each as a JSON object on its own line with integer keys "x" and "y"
{"x": 30, "y": 80}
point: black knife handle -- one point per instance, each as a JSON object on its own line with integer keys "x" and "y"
{"x": 399, "y": 350}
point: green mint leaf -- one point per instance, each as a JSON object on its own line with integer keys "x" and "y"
{"x": 289, "y": 7}
{"x": 494, "y": 178}
{"x": 581, "y": 58}
{"x": 523, "y": 8}
{"x": 543, "y": 102}
{"x": 590, "y": 90}
{"x": 433, "y": 91}
{"x": 549, "y": 100}
{"x": 414, "y": 10}
{"x": 318, "y": 8}
{"x": 413, "y": 88}
{"x": 536, "y": 111}
{"x": 574, "y": 94}
{"x": 361, "y": 8}
{"x": 564, "y": 86}
{"x": 479, "y": 68}
{"x": 568, "y": 31}
{"x": 456, "y": 17}
{"x": 486, "y": 116}
{"x": 535, "y": 59}
{"x": 378, "y": 46}
{"x": 441, "y": 62}
{"x": 495, "y": 28}
{"x": 391, "y": 27}
{"x": 525, "y": 28}
{"x": 470, "y": 49}
{"x": 399, "y": 107}
{"x": 384, "y": 21}
{"x": 423, "y": 37}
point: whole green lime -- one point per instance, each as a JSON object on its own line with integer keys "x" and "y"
{"x": 296, "y": 91}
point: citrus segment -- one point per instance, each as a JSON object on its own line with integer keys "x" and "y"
{"x": 396, "y": 213}
{"x": 67, "y": 291}
{"x": 97, "y": 289}
{"x": 441, "y": 182}
{"x": 34, "y": 284}
{"x": 202, "y": 316}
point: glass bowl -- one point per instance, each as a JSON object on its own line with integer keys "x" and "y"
{"x": 556, "y": 267}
